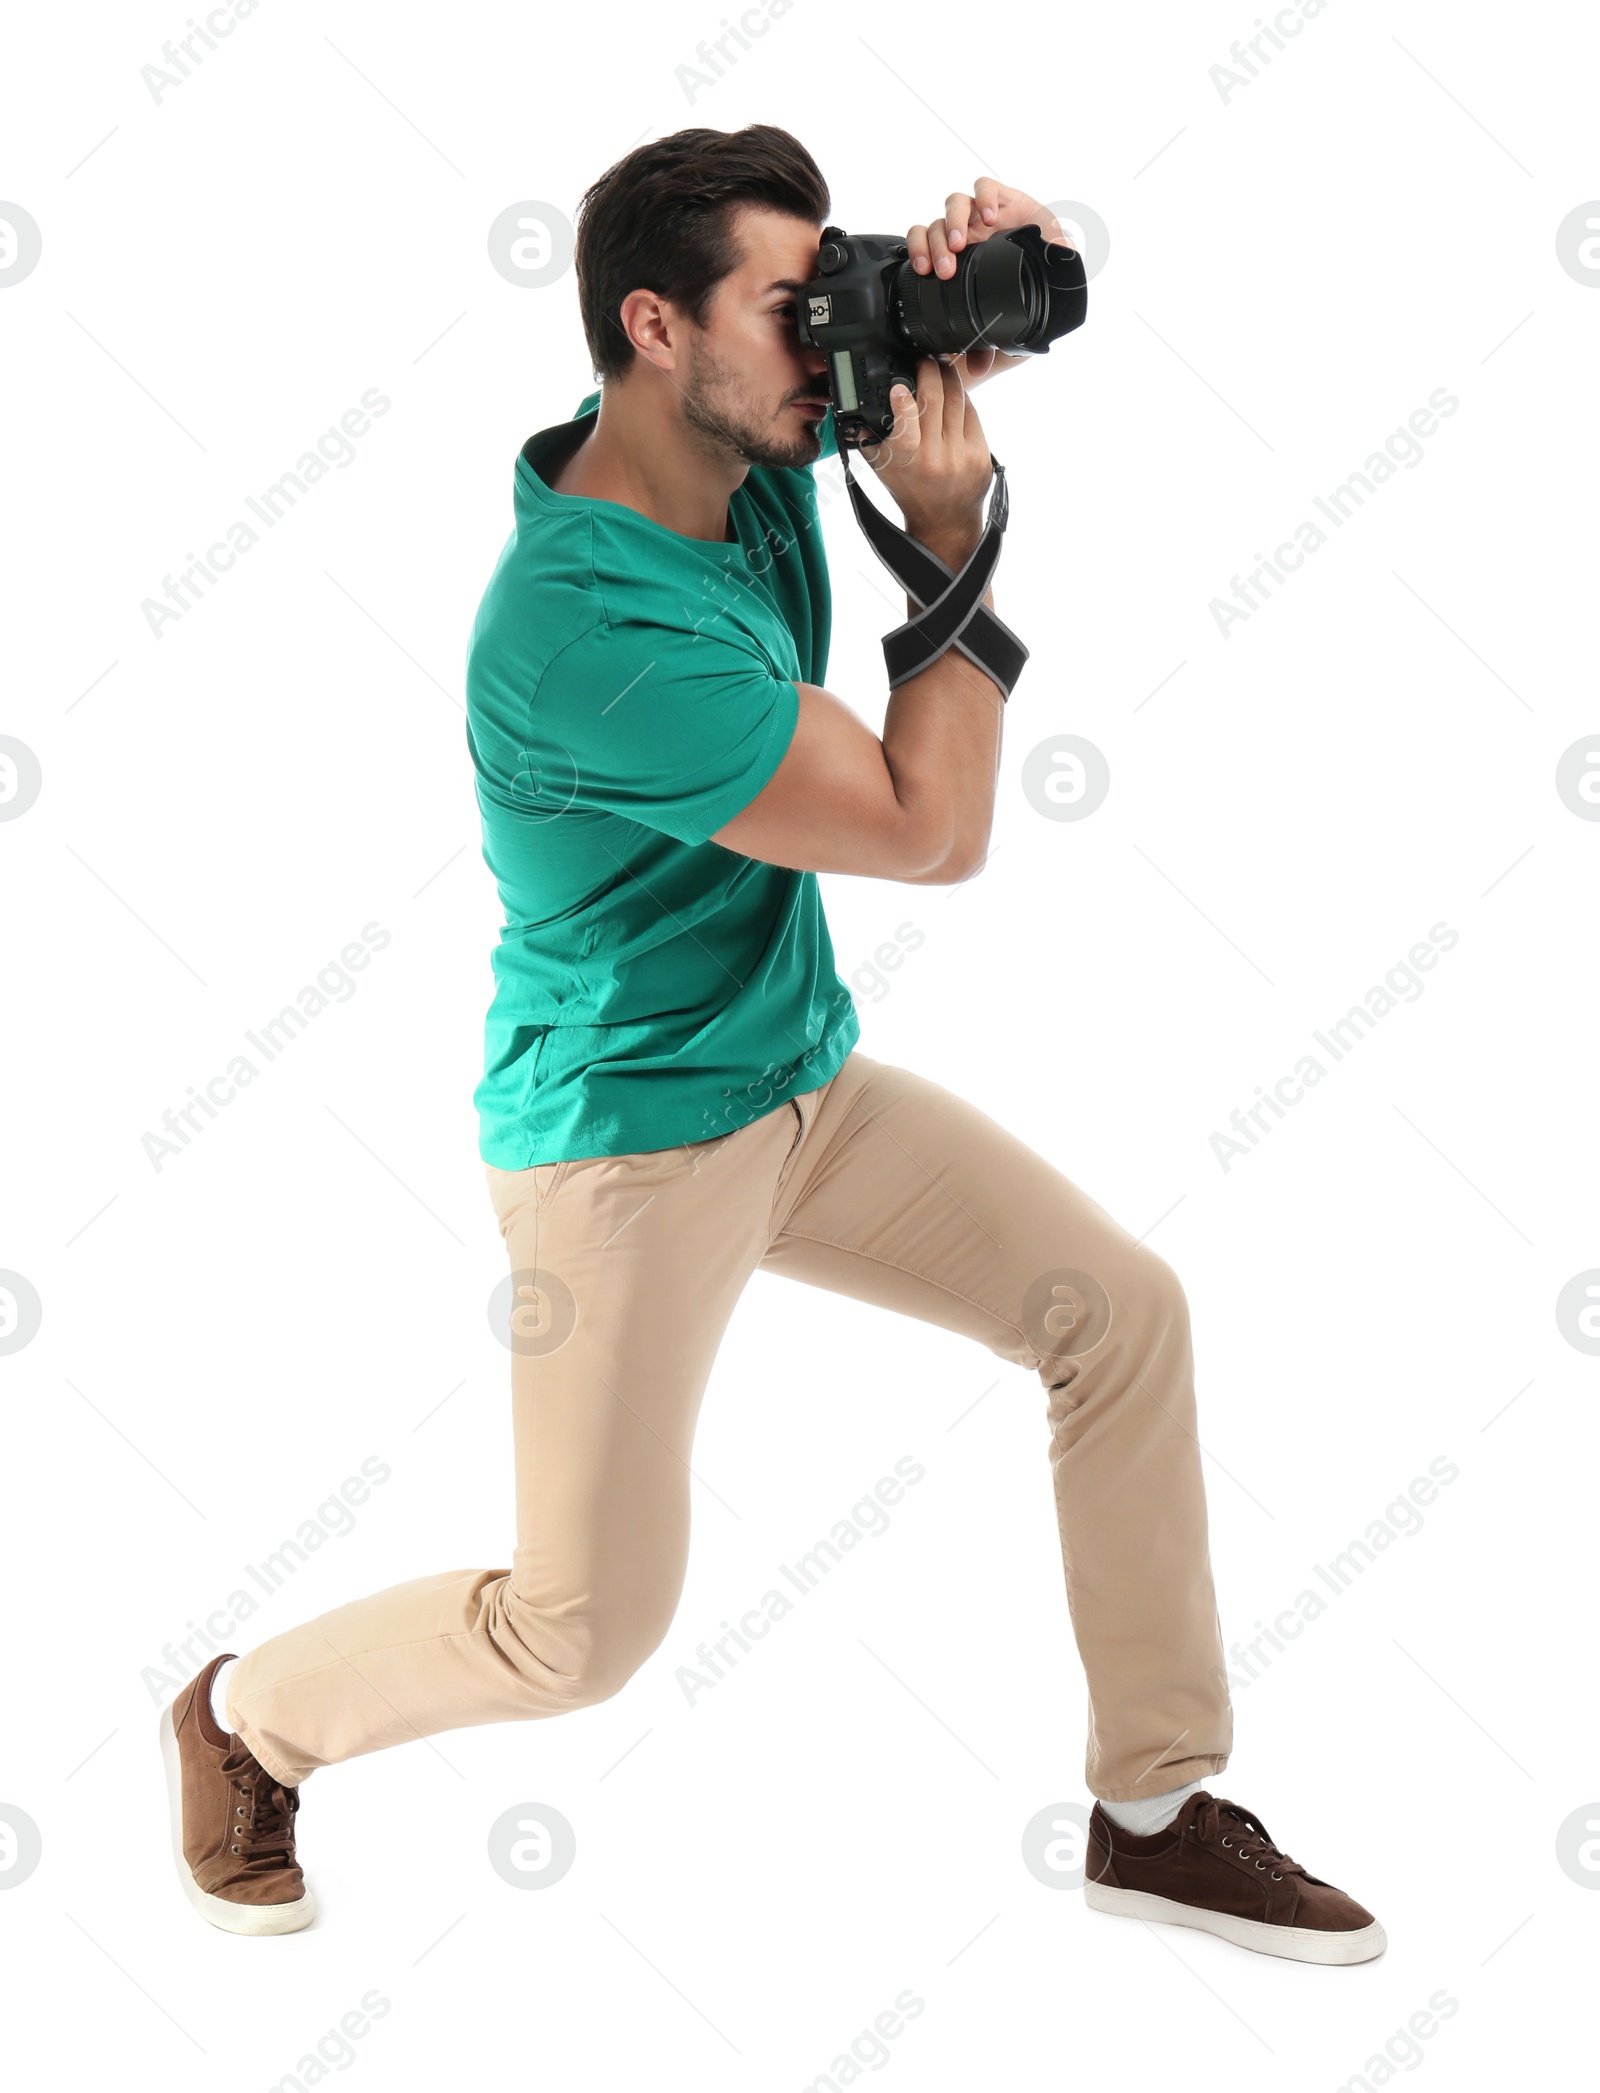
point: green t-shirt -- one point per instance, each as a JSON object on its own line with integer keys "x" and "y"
{"x": 629, "y": 690}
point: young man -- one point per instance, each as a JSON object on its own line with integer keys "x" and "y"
{"x": 673, "y": 1093}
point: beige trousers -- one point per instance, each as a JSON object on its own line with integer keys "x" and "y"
{"x": 625, "y": 1270}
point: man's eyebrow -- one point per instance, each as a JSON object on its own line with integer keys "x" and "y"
{"x": 784, "y": 283}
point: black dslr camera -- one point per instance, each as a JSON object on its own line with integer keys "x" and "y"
{"x": 876, "y": 317}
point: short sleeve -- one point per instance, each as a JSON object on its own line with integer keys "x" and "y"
{"x": 674, "y": 731}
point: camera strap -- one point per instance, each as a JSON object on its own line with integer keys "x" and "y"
{"x": 950, "y": 607}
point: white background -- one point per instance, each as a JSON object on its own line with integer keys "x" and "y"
{"x": 1292, "y": 271}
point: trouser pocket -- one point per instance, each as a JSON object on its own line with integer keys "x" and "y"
{"x": 510, "y": 1190}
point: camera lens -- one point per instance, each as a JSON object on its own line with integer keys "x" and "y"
{"x": 995, "y": 298}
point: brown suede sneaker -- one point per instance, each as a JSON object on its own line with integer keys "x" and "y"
{"x": 1214, "y": 1867}
{"x": 232, "y": 1823}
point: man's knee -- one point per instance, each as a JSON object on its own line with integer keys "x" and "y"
{"x": 595, "y": 1655}
{"x": 610, "y": 1661}
{"x": 1154, "y": 1292}
{"x": 1131, "y": 1309}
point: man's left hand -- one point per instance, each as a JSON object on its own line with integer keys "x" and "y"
{"x": 992, "y": 208}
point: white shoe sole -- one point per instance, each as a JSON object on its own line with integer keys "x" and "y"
{"x": 1296, "y": 1943}
{"x": 232, "y": 1918}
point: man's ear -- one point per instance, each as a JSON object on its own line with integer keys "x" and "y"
{"x": 654, "y": 327}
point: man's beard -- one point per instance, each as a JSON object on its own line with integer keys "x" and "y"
{"x": 718, "y": 406}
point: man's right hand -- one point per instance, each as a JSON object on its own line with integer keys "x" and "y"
{"x": 935, "y": 461}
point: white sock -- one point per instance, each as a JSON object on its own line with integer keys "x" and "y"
{"x": 219, "y": 1704}
{"x": 1153, "y": 1814}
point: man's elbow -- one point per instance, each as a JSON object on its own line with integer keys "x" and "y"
{"x": 963, "y": 858}
{"x": 958, "y": 868}
{"x": 935, "y": 846}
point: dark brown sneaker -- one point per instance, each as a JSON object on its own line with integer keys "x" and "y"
{"x": 1214, "y": 1867}
{"x": 232, "y": 1823}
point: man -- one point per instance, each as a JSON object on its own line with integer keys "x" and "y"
{"x": 674, "y": 1096}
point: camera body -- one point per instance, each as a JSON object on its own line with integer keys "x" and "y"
{"x": 875, "y": 317}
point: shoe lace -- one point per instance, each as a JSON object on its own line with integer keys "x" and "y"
{"x": 1239, "y": 1828}
{"x": 262, "y": 1828}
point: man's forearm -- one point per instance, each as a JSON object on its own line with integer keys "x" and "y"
{"x": 941, "y": 740}
{"x": 916, "y": 801}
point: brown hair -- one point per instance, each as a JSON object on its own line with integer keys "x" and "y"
{"x": 661, "y": 219}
